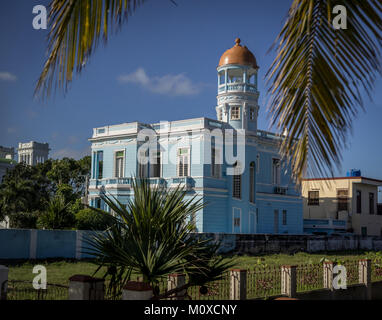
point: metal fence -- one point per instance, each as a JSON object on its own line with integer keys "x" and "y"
{"x": 376, "y": 270}
{"x": 310, "y": 277}
{"x": 263, "y": 281}
{"x": 216, "y": 290}
{"x": 352, "y": 271}
{"x": 23, "y": 290}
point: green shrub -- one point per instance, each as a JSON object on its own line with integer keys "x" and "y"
{"x": 23, "y": 220}
{"x": 87, "y": 219}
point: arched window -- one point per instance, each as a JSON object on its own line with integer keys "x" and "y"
{"x": 236, "y": 188}
{"x": 252, "y": 182}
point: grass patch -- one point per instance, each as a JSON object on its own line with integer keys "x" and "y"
{"x": 58, "y": 272}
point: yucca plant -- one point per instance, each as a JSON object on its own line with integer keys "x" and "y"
{"x": 57, "y": 214}
{"x": 151, "y": 236}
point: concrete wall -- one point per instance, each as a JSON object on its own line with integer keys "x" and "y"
{"x": 270, "y": 243}
{"x": 42, "y": 244}
{"x": 353, "y": 292}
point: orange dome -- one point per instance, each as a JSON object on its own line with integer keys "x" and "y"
{"x": 238, "y": 55}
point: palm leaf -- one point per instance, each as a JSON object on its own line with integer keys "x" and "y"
{"x": 76, "y": 26}
{"x": 316, "y": 79}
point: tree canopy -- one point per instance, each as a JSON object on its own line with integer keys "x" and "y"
{"x": 27, "y": 192}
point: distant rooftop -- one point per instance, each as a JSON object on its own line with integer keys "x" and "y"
{"x": 346, "y": 178}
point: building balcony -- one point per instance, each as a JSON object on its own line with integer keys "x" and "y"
{"x": 112, "y": 183}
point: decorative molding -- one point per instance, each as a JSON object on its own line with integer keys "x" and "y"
{"x": 227, "y": 98}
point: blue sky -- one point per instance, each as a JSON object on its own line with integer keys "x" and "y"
{"x": 124, "y": 81}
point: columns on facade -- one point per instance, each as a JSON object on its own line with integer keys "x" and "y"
{"x": 245, "y": 117}
{"x": 238, "y": 284}
{"x": 226, "y": 79}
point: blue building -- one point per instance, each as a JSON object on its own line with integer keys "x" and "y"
{"x": 232, "y": 166}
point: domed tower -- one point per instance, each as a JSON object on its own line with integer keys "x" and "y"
{"x": 237, "y": 98}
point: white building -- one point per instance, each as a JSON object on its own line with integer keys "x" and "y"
{"x": 33, "y": 152}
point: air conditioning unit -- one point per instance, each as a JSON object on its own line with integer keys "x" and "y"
{"x": 280, "y": 190}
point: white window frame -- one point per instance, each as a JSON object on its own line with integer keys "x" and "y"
{"x": 233, "y": 218}
{"x": 284, "y": 215}
{"x": 143, "y": 167}
{"x": 252, "y": 113}
{"x": 160, "y": 165}
{"x": 220, "y": 114}
{"x": 98, "y": 164}
{"x": 237, "y": 168}
{"x": 276, "y": 179}
{"x": 258, "y": 164}
{"x": 237, "y": 114}
{"x": 215, "y": 167}
{"x": 252, "y": 197}
{"x": 178, "y": 161}
{"x": 123, "y": 163}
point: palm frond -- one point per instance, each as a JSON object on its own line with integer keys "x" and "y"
{"x": 318, "y": 77}
{"x": 76, "y": 27}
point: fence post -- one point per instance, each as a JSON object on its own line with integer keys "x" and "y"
{"x": 328, "y": 275}
{"x": 365, "y": 276}
{"x": 83, "y": 287}
{"x": 176, "y": 281}
{"x": 238, "y": 284}
{"x": 3, "y": 282}
{"x": 289, "y": 281}
{"x": 136, "y": 290}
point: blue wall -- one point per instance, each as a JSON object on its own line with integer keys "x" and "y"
{"x": 21, "y": 244}
{"x": 50, "y": 242}
{"x": 14, "y": 244}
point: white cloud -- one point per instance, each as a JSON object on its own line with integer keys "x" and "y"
{"x": 7, "y": 76}
{"x": 175, "y": 85}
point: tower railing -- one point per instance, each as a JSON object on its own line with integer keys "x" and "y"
{"x": 241, "y": 87}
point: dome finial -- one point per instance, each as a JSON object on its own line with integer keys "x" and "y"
{"x": 237, "y": 40}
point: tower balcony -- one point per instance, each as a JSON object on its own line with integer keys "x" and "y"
{"x": 238, "y": 87}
